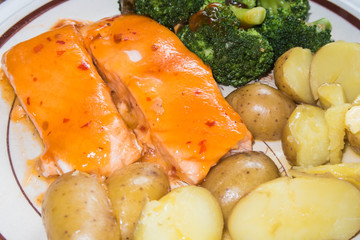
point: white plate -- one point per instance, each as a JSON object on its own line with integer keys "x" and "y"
{"x": 19, "y": 188}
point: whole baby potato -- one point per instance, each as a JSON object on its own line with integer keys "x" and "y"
{"x": 76, "y": 206}
{"x": 264, "y": 109}
{"x": 235, "y": 176}
{"x": 130, "y": 188}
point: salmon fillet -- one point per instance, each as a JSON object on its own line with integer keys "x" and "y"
{"x": 167, "y": 94}
{"x": 70, "y": 105}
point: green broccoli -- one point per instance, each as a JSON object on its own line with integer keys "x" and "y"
{"x": 240, "y": 3}
{"x": 168, "y": 13}
{"x": 285, "y": 32}
{"x": 295, "y": 8}
{"x": 236, "y": 56}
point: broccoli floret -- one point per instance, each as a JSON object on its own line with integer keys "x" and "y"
{"x": 285, "y": 32}
{"x": 296, "y": 8}
{"x": 168, "y": 13}
{"x": 236, "y": 56}
{"x": 238, "y": 3}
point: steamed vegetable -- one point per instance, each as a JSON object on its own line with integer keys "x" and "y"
{"x": 76, "y": 206}
{"x": 130, "y": 188}
{"x": 188, "y": 212}
{"x": 264, "y": 109}
{"x": 235, "y": 176}
{"x": 299, "y": 208}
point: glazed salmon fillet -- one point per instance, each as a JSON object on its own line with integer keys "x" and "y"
{"x": 167, "y": 94}
{"x": 60, "y": 89}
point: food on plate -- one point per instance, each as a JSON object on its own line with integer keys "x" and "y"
{"x": 346, "y": 171}
{"x": 76, "y": 206}
{"x": 352, "y": 124}
{"x": 236, "y": 56}
{"x": 130, "y": 188}
{"x": 264, "y": 109}
{"x": 298, "y": 208}
{"x": 184, "y": 122}
{"x": 297, "y": 8}
{"x": 335, "y": 119}
{"x": 305, "y": 140}
{"x": 337, "y": 62}
{"x": 291, "y": 74}
{"x": 284, "y": 31}
{"x": 331, "y": 94}
{"x": 69, "y": 104}
{"x": 236, "y": 175}
{"x": 168, "y": 13}
{"x": 188, "y": 212}
{"x": 249, "y": 17}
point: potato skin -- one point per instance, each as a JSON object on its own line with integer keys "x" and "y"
{"x": 237, "y": 175}
{"x": 264, "y": 109}
{"x": 130, "y": 188}
{"x": 76, "y": 206}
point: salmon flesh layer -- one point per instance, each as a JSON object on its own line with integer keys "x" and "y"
{"x": 69, "y": 104}
{"x": 166, "y": 94}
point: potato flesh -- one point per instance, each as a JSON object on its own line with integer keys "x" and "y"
{"x": 331, "y": 94}
{"x": 188, "y": 212}
{"x": 291, "y": 73}
{"x": 305, "y": 140}
{"x": 76, "y": 206}
{"x": 337, "y": 62}
{"x": 352, "y": 119}
{"x": 300, "y": 208}
{"x": 130, "y": 188}
{"x": 335, "y": 119}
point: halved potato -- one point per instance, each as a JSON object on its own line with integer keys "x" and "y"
{"x": 305, "y": 139}
{"x": 299, "y": 208}
{"x": 291, "y": 73}
{"x": 352, "y": 123}
{"x": 337, "y": 62}
{"x": 331, "y": 94}
{"x": 188, "y": 212}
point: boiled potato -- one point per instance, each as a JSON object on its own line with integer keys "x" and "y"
{"x": 349, "y": 172}
{"x": 300, "y": 208}
{"x": 337, "y": 62}
{"x": 352, "y": 123}
{"x": 291, "y": 73}
{"x": 75, "y": 206}
{"x": 305, "y": 139}
{"x": 264, "y": 109}
{"x": 237, "y": 175}
{"x": 188, "y": 212}
{"x": 331, "y": 94}
{"x": 130, "y": 188}
{"x": 335, "y": 119}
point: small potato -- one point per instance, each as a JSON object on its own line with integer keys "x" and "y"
{"x": 130, "y": 188}
{"x": 337, "y": 62}
{"x": 331, "y": 94}
{"x": 264, "y": 109}
{"x": 76, "y": 206}
{"x": 188, "y": 212}
{"x": 352, "y": 124}
{"x": 237, "y": 175}
{"x": 311, "y": 208}
{"x": 305, "y": 139}
{"x": 291, "y": 73}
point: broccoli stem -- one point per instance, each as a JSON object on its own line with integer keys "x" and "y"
{"x": 273, "y": 5}
{"x": 321, "y": 24}
{"x": 249, "y": 17}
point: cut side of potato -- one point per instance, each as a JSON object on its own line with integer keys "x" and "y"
{"x": 305, "y": 139}
{"x": 337, "y": 62}
{"x": 331, "y": 94}
{"x": 349, "y": 172}
{"x": 291, "y": 73}
{"x": 335, "y": 119}
{"x": 352, "y": 119}
{"x": 311, "y": 208}
{"x": 188, "y": 212}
